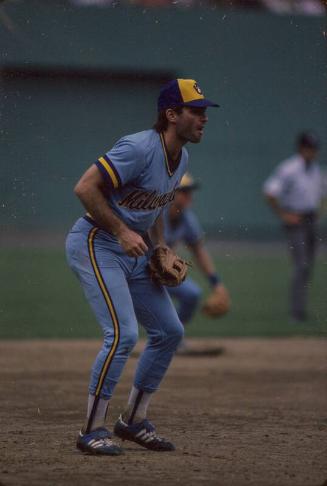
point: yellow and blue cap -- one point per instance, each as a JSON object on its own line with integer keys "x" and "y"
{"x": 182, "y": 92}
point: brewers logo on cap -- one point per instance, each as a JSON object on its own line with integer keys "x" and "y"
{"x": 197, "y": 88}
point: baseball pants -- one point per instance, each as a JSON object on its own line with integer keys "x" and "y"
{"x": 302, "y": 243}
{"x": 121, "y": 294}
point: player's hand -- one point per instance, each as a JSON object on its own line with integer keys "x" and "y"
{"x": 291, "y": 219}
{"x": 218, "y": 303}
{"x": 132, "y": 243}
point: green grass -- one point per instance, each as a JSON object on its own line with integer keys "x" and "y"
{"x": 40, "y": 298}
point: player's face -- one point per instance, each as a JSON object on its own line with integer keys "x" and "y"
{"x": 309, "y": 153}
{"x": 190, "y": 124}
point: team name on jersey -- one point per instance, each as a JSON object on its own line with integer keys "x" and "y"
{"x": 147, "y": 200}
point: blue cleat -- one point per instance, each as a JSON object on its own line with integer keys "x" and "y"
{"x": 98, "y": 442}
{"x": 144, "y": 434}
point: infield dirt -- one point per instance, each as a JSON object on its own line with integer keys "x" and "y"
{"x": 255, "y": 415}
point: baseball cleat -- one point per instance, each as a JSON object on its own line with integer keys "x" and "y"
{"x": 98, "y": 442}
{"x": 144, "y": 434}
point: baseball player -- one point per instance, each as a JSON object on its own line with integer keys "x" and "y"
{"x": 182, "y": 225}
{"x": 295, "y": 191}
{"x": 109, "y": 250}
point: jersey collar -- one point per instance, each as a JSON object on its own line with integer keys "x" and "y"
{"x": 171, "y": 165}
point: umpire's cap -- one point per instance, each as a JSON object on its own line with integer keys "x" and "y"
{"x": 187, "y": 183}
{"x": 182, "y": 92}
{"x": 308, "y": 139}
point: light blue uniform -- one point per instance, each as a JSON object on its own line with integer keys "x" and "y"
{"x": 186, "y": 229}
{"x": 117, "y": 286}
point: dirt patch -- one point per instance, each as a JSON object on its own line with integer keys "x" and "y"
{"x": 254, "y": 415}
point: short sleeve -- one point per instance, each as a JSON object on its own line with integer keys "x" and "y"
{"x": 123, "y": 163}
{"x": 193, "y": 231}
{"x": 276, "y": 183}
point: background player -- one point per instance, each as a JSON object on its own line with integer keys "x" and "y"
{"x": 109, "y": 249}
{"x": 294, "y": 191}
{"x": 182, "y": 225}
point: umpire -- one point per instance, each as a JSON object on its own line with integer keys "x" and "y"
{"x": 295, "y": 191}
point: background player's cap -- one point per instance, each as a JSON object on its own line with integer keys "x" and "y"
{"x": 308, "y": 139}
{"x": 182, "y": 92}
{"x": 187, "y": 183}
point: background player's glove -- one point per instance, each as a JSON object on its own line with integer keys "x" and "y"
{"x": 166, "y": 267}
{"x": 218, "y": 302}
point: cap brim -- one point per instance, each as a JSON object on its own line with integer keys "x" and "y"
{"x": 201, "y": 103}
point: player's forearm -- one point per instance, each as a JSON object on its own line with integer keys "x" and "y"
{"x": 90, "y": 190}
{"x": 203, "y": 259}
{"x": 95, "y": 203}
{"x": 287, "y": 217}
{"x": 157, "y": 232}
{"x": 274, "y": 204}
{"x": 206, "y": 264}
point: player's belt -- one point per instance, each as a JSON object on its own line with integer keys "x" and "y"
{"x": 144, "y": 235}
{"x": 309, "y": 217}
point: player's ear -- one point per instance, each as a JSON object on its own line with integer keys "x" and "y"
{"x": 171, "y": 115}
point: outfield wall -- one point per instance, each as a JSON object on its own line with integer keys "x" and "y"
{"x": 267, "y": 72}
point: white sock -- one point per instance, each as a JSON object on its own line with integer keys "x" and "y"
{"x": 100, "y": 413}
{"x": 137, "y": 405}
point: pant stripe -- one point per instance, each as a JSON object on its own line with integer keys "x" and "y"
{"x": 111, "y": 309}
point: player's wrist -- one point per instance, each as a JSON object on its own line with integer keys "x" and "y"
{"x": 214, "y": 279}
{"x": 120, "y": 230}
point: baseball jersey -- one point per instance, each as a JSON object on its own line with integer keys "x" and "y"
{"x": 139, "y": 175}
{"x": 297, "y": 186}
{"x": 187, "y": 228}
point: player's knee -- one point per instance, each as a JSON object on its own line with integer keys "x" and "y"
{"x": 128, "y": 340}
{"x": 180, "y": 333}
{"x": 169, "y": 337}
{"x": 176, "y": 334}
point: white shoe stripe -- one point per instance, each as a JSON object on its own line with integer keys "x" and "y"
{"x": 141, "y": 433}
{"x": 98, "y": 444}
{"x": 149, "y": 439}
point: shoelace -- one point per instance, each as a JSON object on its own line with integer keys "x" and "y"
{"x": 108, "y": 442}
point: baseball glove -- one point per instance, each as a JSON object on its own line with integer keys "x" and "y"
{"x": 166, "y": 268}
{"x": 218, "y": 302}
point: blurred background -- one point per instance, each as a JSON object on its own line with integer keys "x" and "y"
{"x": 76, "y": 75}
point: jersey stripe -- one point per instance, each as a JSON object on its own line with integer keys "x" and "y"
{"x": 110, "y": 171}
{"x": 106, "y": 158}
{"x": 111, "y": 309}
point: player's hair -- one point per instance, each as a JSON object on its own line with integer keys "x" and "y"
{"x": 162, "y": 123}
